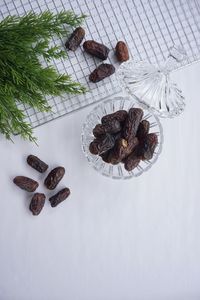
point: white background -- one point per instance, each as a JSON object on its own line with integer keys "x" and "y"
{"x": 134, "y": 239}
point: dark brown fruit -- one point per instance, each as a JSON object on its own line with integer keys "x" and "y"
{"x": 122, "y": 51}
{"x": 106, "y": 143}
{"x": 131, "y": 162}
{"x": 37, "y": 164}
{"x": 75, "y": 39}
{"x": 143, "y": 129}
{"x": 101, "y": 72}
{"x": 94, "y": 147}
{"x": 96, "y": 49}
{"x": 26, "y": 183}
{"x": 102, "y": 144}
{"x": 111, "y": 126}
{"x": 106, "y": 156}
{"x": 99, "y": 130}
{"x": 122, "y": 149}
{"x": 119, "y": 115}
{"x": 148, "y": 146}
{"x": 132, "y": 122}
{"x": 37, "y": 203}
{"x": 59, "y": 197}
{"x": 54, "y": 177}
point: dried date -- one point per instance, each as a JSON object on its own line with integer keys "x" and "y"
{"x": 148, "y": 146}
{"x": 75, "y": 39}
{"x": 112, "y": 126}
{"x": 96, "y": 49}
{"x": 143, "y": 129}
{"x": 122, "y": 149}
{"x": 103, "y": 144}
{"x": 99, "y": 130}
{"x": 122, "y": 51}
{"x": 119, "y": 115}
{"x": 106, "y": 156}
{"x": 26, "y": 183}
{"x": 94, "y": 147}
{"x": 37, "y": 203}
{"x": 37, "y": 164}
{"x": 132, "y": 122}
{"x": 54, "y": 177}
{"x": 106, "y": 143}
{"x": 131, "y": 162}
{"x": 101, "y": 72}
{"x": 59, "y": 197}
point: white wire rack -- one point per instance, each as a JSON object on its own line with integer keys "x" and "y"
{"x": 149, "y": 28}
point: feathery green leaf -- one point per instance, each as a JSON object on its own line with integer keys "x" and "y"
{"x": 23, "y": 78}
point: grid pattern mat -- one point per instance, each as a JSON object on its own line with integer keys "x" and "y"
{"x": 149, "y": 28}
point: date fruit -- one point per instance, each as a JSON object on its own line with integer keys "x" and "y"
{"x": 94, "y": 147}
{"x": 111, "y": 126}
{"x": 131, "y": 162}
{"x": 119, "y": 115}
{"x": 121, "y": 51}
{"x": 106, "y": 156}
{"x": 96, "y": 49}
{"x": 26, "y": 183}
{"x": 37, "y": 203}
{"x": 132, "y": 122}
{"x": 103, "y": 144}
{"x": 148, "y": 146}
{"x": 75, "y": 39}
{"x": 101, "y": 72}
{"x": 98, "y": 130}
{"x": 37, "y": 164}
{"x": 143, "y": 129}
{"x": 122, "y": 149}
{"x": 59, "y": 197}
{"x": 54, "y": 177}
{"x": 106, "y": 143}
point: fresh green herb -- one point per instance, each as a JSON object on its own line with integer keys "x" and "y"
{"x": 23, "y": 78}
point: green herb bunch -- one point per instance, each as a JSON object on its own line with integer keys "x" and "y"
{"x": 23, "y": 78}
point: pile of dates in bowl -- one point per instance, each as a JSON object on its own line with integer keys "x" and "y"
{"x": 121, "y": 139}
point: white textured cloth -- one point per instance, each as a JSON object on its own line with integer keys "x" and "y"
{"x": 111, "y": 240}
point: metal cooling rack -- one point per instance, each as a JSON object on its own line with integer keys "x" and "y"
{"x": 149, "y": 27}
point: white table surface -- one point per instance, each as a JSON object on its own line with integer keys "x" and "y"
{"x": 135, "y": 239}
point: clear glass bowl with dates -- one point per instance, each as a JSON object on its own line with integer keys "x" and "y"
{"x": 110, "y": 106}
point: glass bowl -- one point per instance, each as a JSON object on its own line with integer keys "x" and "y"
{"x": 152, "y": 85}
{"x": 107, "y": 107}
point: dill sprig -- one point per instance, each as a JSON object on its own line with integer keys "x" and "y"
{"x": 23, "y": 78}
